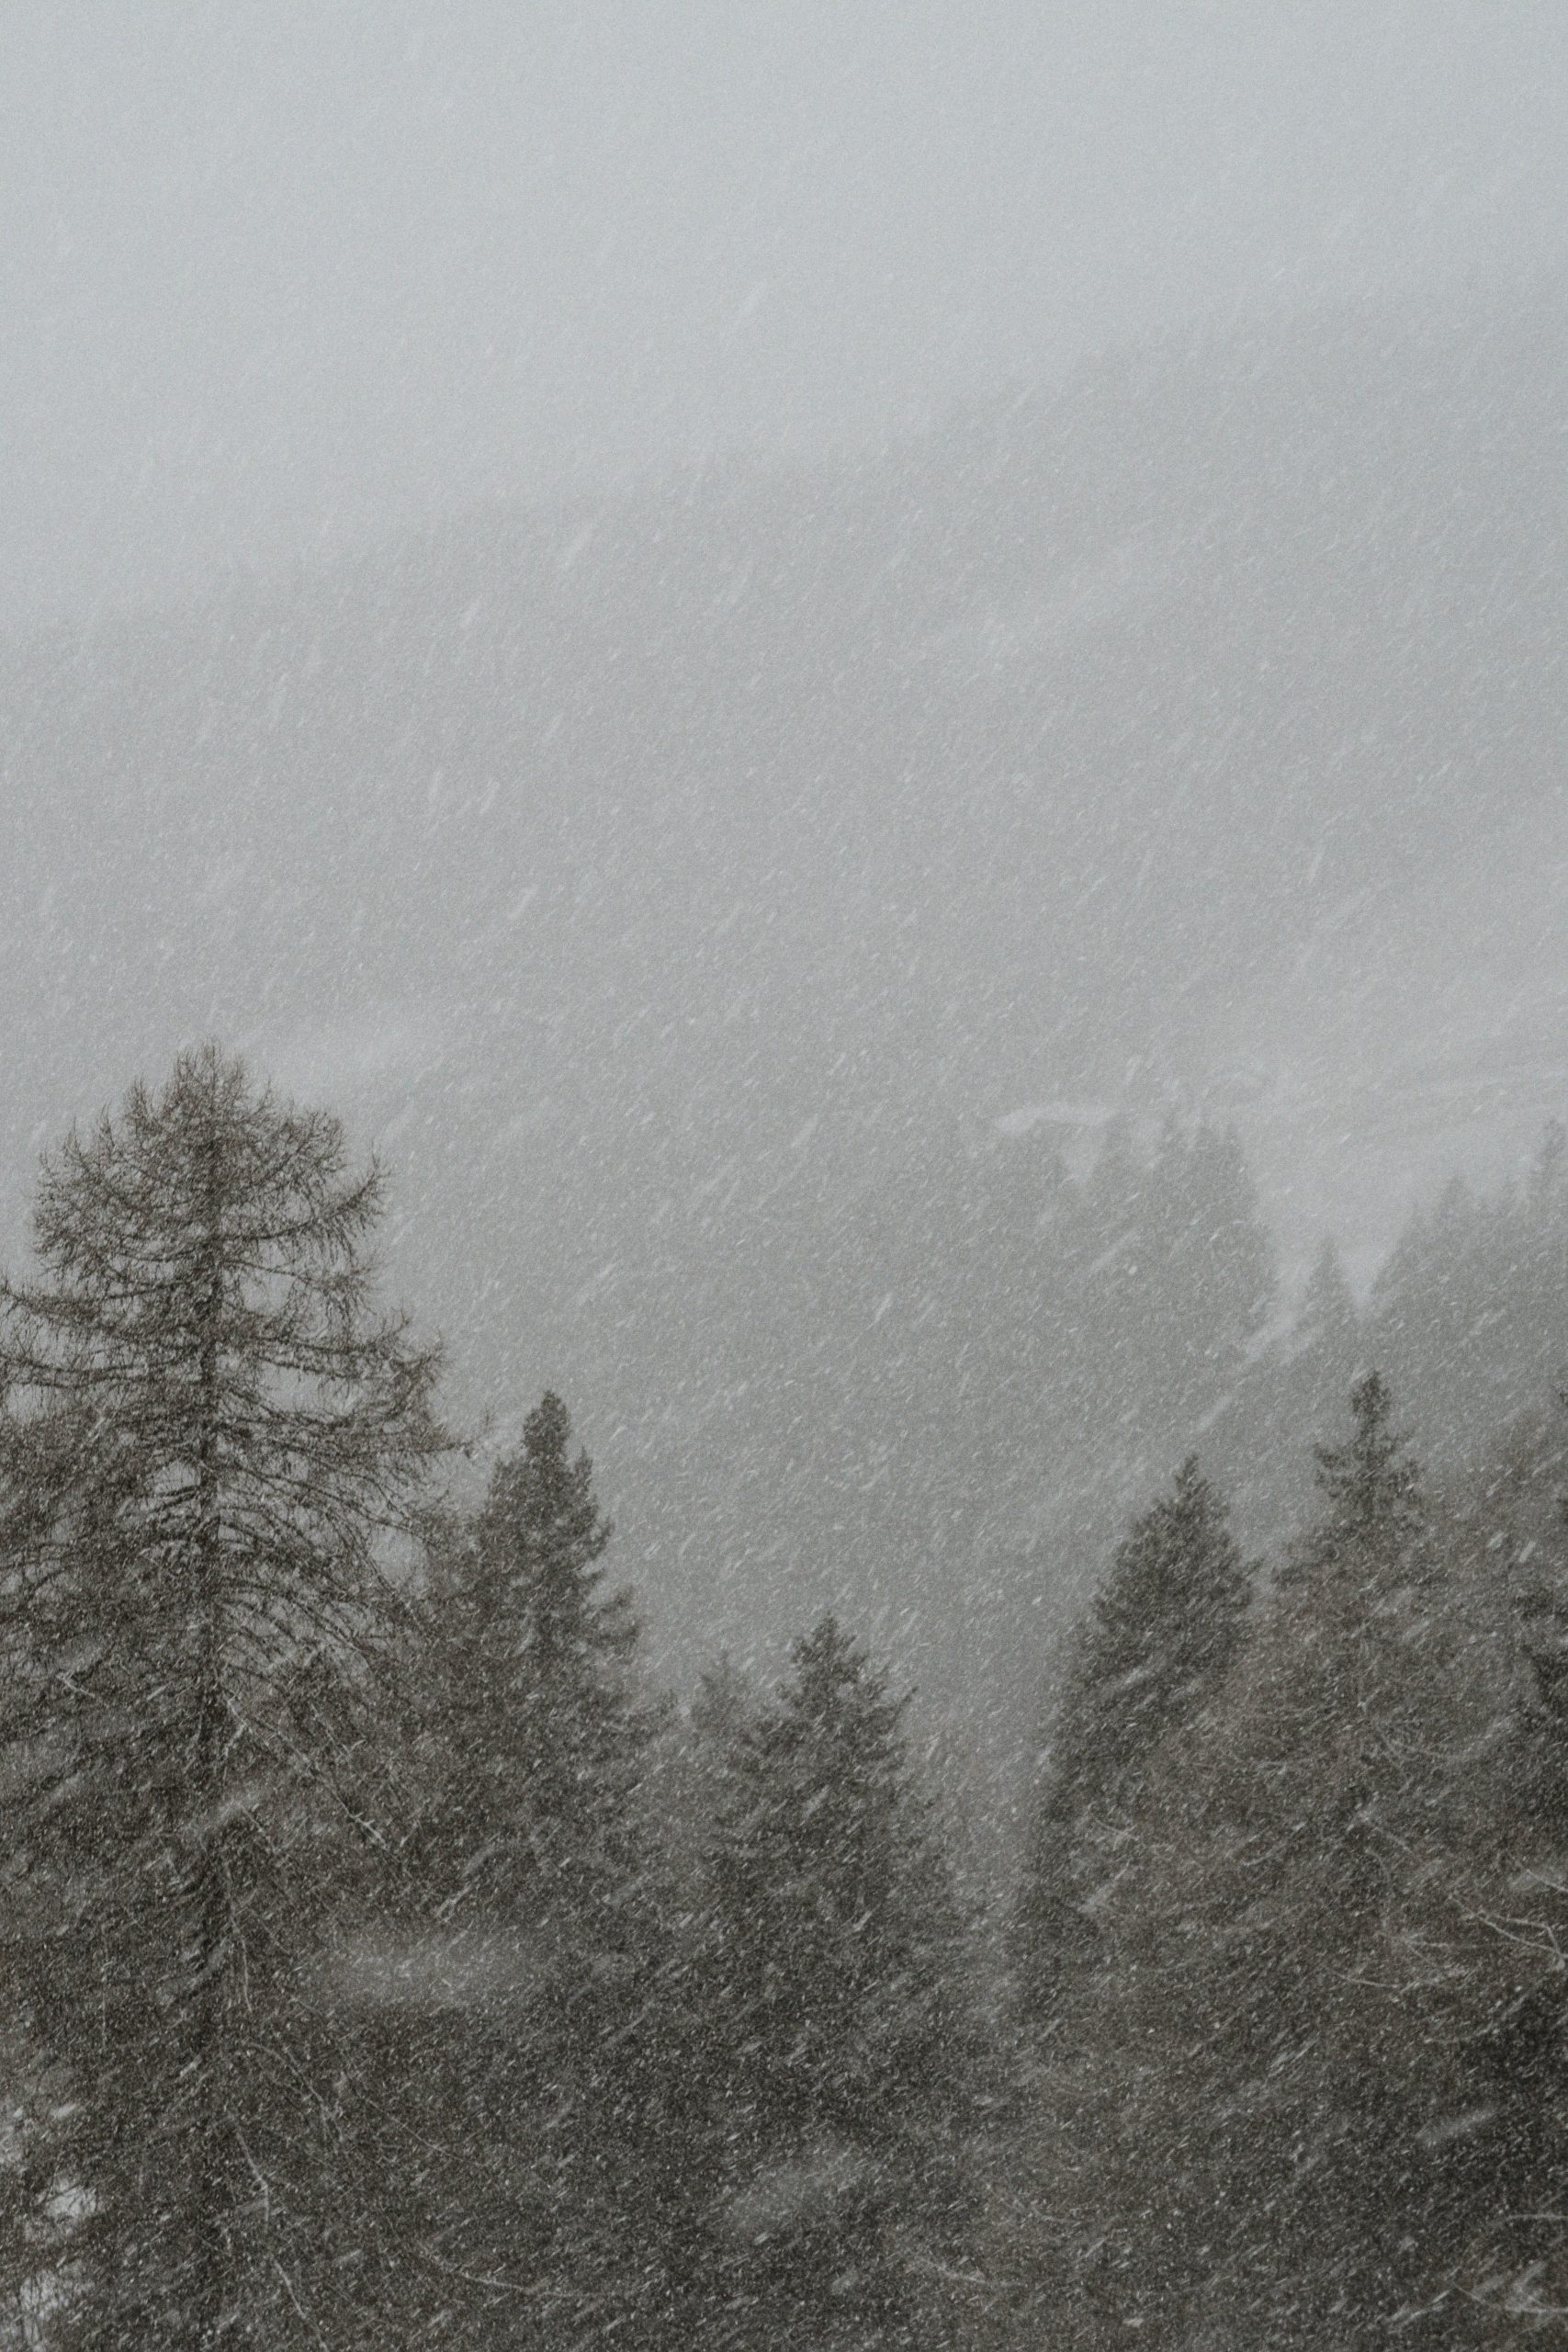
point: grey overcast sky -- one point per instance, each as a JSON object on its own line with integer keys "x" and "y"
{"x": 280, "y": 274}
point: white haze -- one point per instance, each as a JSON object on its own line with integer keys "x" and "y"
{"x": 696, "y": 616}
{"x": 276, "y": 276}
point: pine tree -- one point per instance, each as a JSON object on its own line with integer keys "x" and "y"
{"x": 1503, "y": 1952}
{"x": 210, "y": 1437}
{"x": 840, "y": 2009}
{"x": 545, "y": 2050}
{"x": 1327, "y": 1327}
{"x": 542, "y": 1726}
{"x": 1274, "y": 2011}
{"x": 1371, "y": 1530}
{"x": 1159, "y": 1641}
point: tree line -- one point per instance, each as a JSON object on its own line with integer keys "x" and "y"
{"x": 386, "y": 1962}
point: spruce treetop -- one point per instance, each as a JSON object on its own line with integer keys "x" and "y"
{"x": 1160, "y": 1636}
{"x": 1371, "y": 1485}
{"x": 539, "y": 1730}
{"x": 539, "y": 1538}
{"x": 1328, "y": 1319}
{"x": 837, "y": 1931}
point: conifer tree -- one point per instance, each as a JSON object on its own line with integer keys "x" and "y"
{"x": 1371, "y": 1530}
{"x": 1276, "y": 2060}
{"x": 211, "y": 1437}
{"x": 838, "y": 1992}
{"x": 541, "y": 1723}
{"x": 1159, "y": 1641}
{"x": 546, "y": 2053}
{"x": 1503, "y": 2238}
{"x": 1327, "y": 1328}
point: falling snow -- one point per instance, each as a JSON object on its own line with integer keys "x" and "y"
{"x": 783, "y": 1556}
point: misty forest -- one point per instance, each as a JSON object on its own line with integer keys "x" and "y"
{"x": 783, "y": 1194}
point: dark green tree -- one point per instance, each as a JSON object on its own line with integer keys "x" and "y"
{"x": 842, "y": 2016}
{"x": 1503, "y": 2239}
{"x": 211, "y": 1439}
{"x": 1159, "y": 1641}
{"x": 541, "y": 1723}
{"x": 1271, "y": 2057}
{"x": 543, "y": 2044}
{"x": 1327, "y": 1329}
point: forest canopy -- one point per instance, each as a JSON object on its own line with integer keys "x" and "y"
{"x": 389, "y": 1961}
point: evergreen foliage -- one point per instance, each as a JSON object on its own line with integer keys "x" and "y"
{"x": 1273, "y": 2047}
{"x": 210, "y": 1436}
{"x": 544, "y": 2048}
{"x": 539, "y": 1729}
{"x": 1159, "y": 1641}
{"x": 381, "y": 1967}
{"x": 841, "y": 2012}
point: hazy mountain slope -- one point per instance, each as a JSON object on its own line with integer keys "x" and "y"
{"x": 681, "y": 889}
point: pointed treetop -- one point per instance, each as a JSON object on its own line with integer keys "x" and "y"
{"x": 547, "y": 1432}
{"x": 1547, "y": 1169}
{"x": 1163, "y": 1632}
{"x": 1371, "y": 1483}
{"x": 1181, "y": 1542}
{"x": 829, "y": 1662}
{"x": 1192, "y": 1490}
{"x": 211, "y": 1210}
{"x": 834, "y": 1703}
{"x": 1327, "y": 1316}
{"x": 543, "y": 1494}
{"x": 827, "y": 1650}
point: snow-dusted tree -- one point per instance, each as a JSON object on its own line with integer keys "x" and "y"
{"x": 841, "y": 2013}
{"x": 1327, "y": 1332}
{"x": 542, "y": 1727}
{"x": 1158, "y": 1642}
{"x": 544, "y": 2049}
{"x": 212, "y": 1437}
{"x": 1252, "y": 2113}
